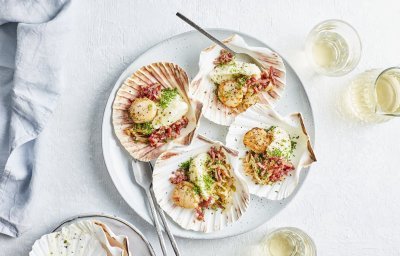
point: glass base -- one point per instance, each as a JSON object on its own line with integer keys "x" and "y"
{"x": 358, "y": 101}
{"x": 289, "y": 241}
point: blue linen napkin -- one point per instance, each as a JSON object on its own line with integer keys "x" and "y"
{"x": 32, "y": 34}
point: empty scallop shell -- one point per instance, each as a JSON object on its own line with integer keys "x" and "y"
{"x": 203, "y": 89}
{"x": 169, "y": 75}
{"x": 84, "y": 238}
{"x": 262, "y": 116}
{"x": 213, "y": 220}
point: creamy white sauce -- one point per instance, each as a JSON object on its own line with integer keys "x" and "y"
{"x": 281, "y": 142}
{"x": 197, "y": 170}
{"x": 228, "y": 71}
{"x": 172, "y": 113}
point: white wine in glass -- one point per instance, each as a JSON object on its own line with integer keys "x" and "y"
{"x": 333, "y": 47}
{"x": 289, "y": 241}
{"x": 374, "y": 96}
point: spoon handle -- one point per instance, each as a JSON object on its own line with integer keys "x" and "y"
{"x": 164, "y": 219}
{"x": 194, "y": 25}
{"x": 156, "y": 222}
{"x": 166, "y": 225}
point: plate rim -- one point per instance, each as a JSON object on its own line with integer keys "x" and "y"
{"x": 144, "y": 53}
{"x": 108, "y": 216}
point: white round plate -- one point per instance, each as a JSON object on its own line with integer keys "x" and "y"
{"x": 138, "y": 244}
{"x": 184, "y": 50}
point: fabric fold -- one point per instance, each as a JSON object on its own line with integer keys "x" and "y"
{"x": 31, "y": 60}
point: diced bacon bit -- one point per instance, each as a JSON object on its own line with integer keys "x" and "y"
{"x": 165, "y": 133}
{"x": 203, "y": 205}
{"x": 266, "y": 78}
{"x": 206, "y": 203}
{"x": 279, "y": 168}
{"x": 178, "y": 177}
{"x": 151, "y": 92}
{"x": 224, "y": 57}
{"x": 276, "y": 167}
{"x": 216, "y": 154}
{"x": 199, "y": 213}
{"x": 218, "y": 175}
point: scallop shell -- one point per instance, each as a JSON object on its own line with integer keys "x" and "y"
{"x": 262, "y": 116}
{"x": 213, "y": 220}
{"x": 169, "y": 75}
{"x": 203, "y": 89}
{"x": 84, "y": 238}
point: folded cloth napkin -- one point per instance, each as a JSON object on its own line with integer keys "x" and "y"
{"x": 32, "y": 34}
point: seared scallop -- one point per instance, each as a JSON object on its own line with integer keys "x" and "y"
{"x": 257, "y": 140}
{"x": 184, "y": 195}
{"x": 230, "y": 93}
{"x": 250, "y": 98}
{"x": 143, "y": 110}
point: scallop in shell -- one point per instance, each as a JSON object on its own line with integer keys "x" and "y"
{"x": 203, "y": 89}
{"x": 84, "y": 238}
{"x": 214, "y": 220}
{"x": 302, "y": 154}
{"x": 168, "y": 76}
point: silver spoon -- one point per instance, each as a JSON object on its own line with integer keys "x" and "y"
{"x": 242, "y": 56}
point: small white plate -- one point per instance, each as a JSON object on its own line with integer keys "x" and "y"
{"x": 138, "y": 244}
{"x": 184, "y": 50}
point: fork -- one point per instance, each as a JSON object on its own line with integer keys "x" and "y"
{"x": 144, "y": 178}
{"x": 239, "y": 55}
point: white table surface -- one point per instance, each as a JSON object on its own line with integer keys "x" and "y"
{"x": 348, "y": 203}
